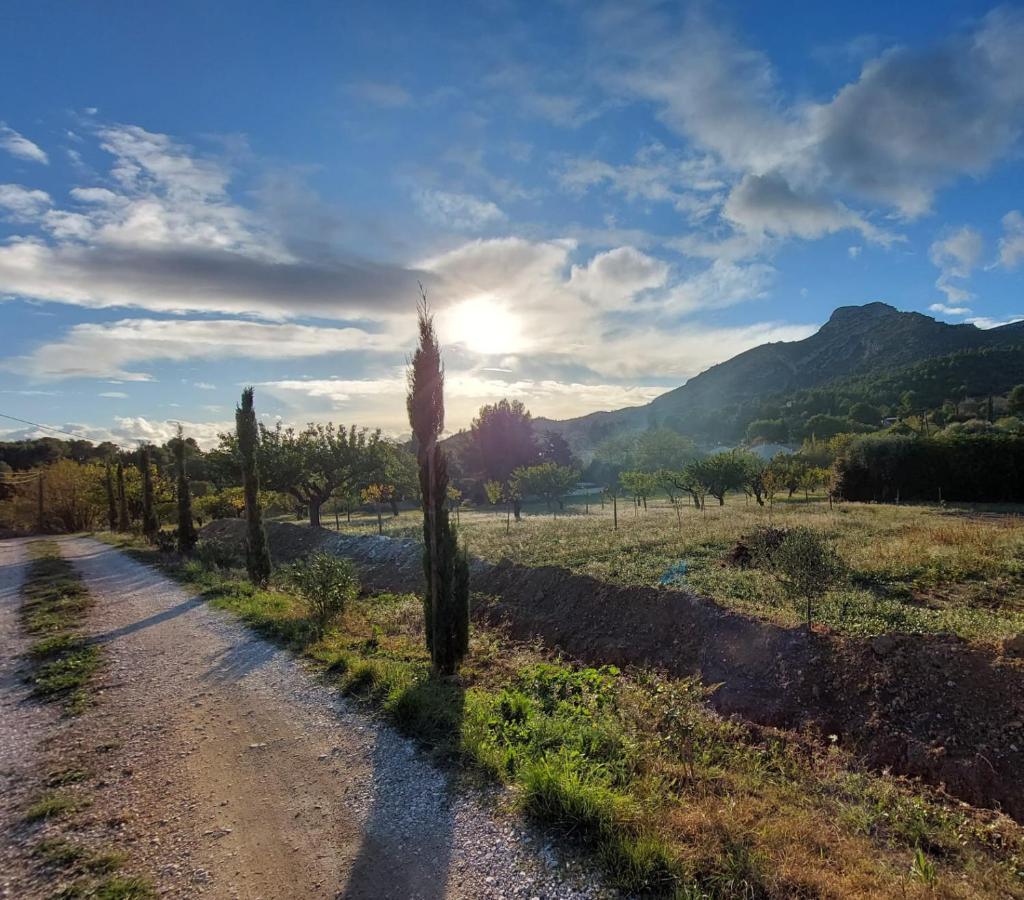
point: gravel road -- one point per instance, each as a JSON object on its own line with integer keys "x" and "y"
{"x": 230, "y": 771}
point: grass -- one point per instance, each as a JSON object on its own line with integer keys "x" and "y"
{"x": 914, "y": 569}
{"x": 51, "y": 805}
{"x": 669, "y": 798}
{"x": 62, "y": 662}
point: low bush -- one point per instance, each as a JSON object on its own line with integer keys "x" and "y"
{"x": 213, "y": 556}
{"x": 325, "y": 583}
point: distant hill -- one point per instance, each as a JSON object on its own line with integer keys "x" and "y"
{"x": 869, "y": 353}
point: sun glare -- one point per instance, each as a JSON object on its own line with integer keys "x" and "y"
{"x": 484, "y": 325}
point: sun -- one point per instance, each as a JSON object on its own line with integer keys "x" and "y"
{"x": 484, "y": 325}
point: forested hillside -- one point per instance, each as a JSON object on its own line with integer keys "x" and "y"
{"x": 872, "y": 354}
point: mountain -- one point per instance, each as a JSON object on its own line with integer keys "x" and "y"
{"x": 857, "y": 346}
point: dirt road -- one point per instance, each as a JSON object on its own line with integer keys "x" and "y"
{"x": 231, "y": 772}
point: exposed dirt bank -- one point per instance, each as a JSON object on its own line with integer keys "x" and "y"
{"x": 931, "y": 706}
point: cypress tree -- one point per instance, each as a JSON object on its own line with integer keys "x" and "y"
{"x": 123, "y": 522}
{"x": 445, "y": 567}
{"x": 111, "y": 502}
{"x": 257, "y": 551}
{"x": 187, "y": 536}
{"x": 150, "y": 522}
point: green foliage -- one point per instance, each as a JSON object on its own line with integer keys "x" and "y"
{"x": 548, "y": 481}
{"x": 720, "y": 473}
{"x": 187, "y": 536}
{"x": 640, "y": 485}
{"x": 803, "y": 560}
{"x": 312, "y": 464}
{"x": 213, "y": 555}
{"x": 123, "y": 521}
{"x": 326, "y": 583}
{"x": 446, "y": 568}
{"x": 150, "y": 522}
{"x": 768, "y": 431}
{"x": 987, "y": 467}
{"x": 247, "y": 435}
{"x": 503, "y": 439}
{"x": 1015, "y": 403}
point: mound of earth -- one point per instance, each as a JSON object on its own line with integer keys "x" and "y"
{"x": 932, "y": 706}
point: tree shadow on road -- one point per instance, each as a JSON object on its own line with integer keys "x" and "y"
{"x": 155, "y": 619}
{"x": 237, "y": 660}
{"x": 406, "y": 849}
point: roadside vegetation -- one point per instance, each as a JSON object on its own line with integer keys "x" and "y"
{"x": 61, "y": 660}
{"x": 670, "y": 798}
{"x": 62, "y": 667}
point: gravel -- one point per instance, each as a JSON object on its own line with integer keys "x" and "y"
{"x": 229, "y": 770}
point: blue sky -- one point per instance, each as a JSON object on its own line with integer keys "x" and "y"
{"x": 601, "y": 200}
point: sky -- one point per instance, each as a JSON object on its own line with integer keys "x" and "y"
{"x": 600, "y": 200}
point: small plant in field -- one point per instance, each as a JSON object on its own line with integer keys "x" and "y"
{"x": 326, "y": 583}
{"x": 804, "y": 562}
{"x": 922, "y": 868}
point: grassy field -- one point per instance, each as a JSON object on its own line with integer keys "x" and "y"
{"x": 911, "y": 568}
{"x": 669, "y": 797}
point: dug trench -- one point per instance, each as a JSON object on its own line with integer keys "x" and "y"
{"x": 929, "y": 706}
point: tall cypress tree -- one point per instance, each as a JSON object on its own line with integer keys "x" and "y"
{"x": 446, "y": 568}
{"x": 123, "y": 522}
{"x": 111, "y": 502}
{"x": 257, "y": 550}
{"x": 150, "y": 522}
{"x": 187, "y": 536}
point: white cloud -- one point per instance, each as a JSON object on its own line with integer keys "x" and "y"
{"x": 854, "y": 252}
{"x": 693, "y": 185}
{"x": 950, "y": 310}
{"x": 768, "y": 204}
{"x": 106, "y": 350}
{"x": 23, "y": 203}
{"x": 166, "y": 236}
{"x": 130, "y": 431}
{"x": 20, "y": 146}
{"x": 720, "y": 285}
{"x": 613, "y": 279}
{"x": 383, "y": 399}
{"x": 686, "y": 350}
{"x": 912, "y": 122}
{"x": 113, "y": 395}
{"x": 987, "y": 322}
{"x": 461, "y": 212}
{"x": 1011, "y": 244}
{"x": 956, "y": 255}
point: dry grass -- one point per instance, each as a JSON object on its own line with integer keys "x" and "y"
{"x": 911, "y": 568}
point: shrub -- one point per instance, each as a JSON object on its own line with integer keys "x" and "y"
{"x": 326, "y": 583}
{"x": 805, "y": 563}
{"x": 212, "y": 555}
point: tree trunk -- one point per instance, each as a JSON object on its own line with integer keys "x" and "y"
{"x": 380, "y": 521}
{"x": 517, "y": 509}
{"x": 314, "y": 511}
